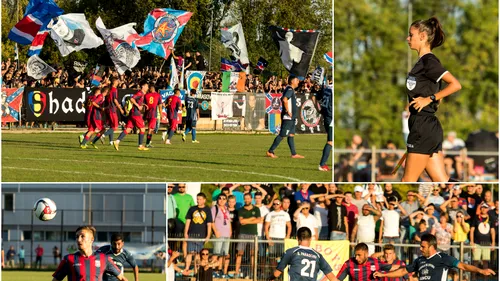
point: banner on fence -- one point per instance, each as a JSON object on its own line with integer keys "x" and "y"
{"x": 11, "y": 104}
{"x": 334, "y": 252}
{"x": 255, "y": 114}
{"x": 59, "y": 104}
{"x": 273, "y": 109}
{"x": 222, "y": 107}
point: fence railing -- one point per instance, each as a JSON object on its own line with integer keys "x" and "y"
{"x": 373, "y": 165}
{"x": 260, "y": 265}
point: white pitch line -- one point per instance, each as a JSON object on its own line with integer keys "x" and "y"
{"x": 164, "y": 166}
{"x": 86, "y": 173}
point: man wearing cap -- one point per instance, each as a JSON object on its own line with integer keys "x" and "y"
{"x": 482, "y": 237}
{"x": 288, "y": 118}
{"x": 358, "y": 200}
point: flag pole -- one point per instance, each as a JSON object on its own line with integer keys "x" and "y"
{"x": 211, "y": 30}
{"x": 314, "y": 51}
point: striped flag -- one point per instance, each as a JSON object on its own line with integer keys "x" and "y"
{"x": 38, "y": 13}
{"x": 38, "y": 41}
{"x": 329, "y": 57}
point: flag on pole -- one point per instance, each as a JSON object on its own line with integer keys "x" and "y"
{"x": 226, "y": 80}
{"x": 174, "y": 75}
{"x": 37, "y": 68}
{"x": 97, "y": 76}
{"x": 234, "y": 66}
{"x": 162, "y": 28}
{"x": 329, "y": 57}
{"x": 181, "y": 82}
{"x": 296, "y": 48}
{"x": 37, "y": 14}
{"x": 260, "y": 66}
{"x": 233, "y": 38}
{"x": 72, "y": 32}
{"x": 120, "y": 44}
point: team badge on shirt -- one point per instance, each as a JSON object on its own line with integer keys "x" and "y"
{"x": 411, "y": 82}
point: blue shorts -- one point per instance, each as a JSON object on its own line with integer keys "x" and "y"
{"x": 287, "y": 128}
{"x": 190, "y": 123}
{"x": 195, "y": 246}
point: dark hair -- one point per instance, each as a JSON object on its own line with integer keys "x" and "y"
{"x": 389, "y": 247}
{"x": 258, "y": 194}
{"x": 116, "y": 237}
{"x": 143, "y": 82}
{"x": 225, "y": 189}
{"x": 304, "y": 233}
{"x": 247, "y": 194}
{"x": 105, "y": 89}
{"x": 361, "y": 247}
{"x": 429, "y": 238}
{"x": 193, "y": 91}
{"x": 176, "y": 90}
{"x": 201, "y": 194}
{"x": 434, "y": 30}
{"x": 339, "y": 191}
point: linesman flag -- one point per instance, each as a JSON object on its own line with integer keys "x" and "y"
{"x": 38, "y": 13}
{"x": 234, "y": 39}
{"x": 296, "y": 48}
{"x": 72, "y": 32}
{"x": 120, "y": 44}
{"x": 162, "y": 28}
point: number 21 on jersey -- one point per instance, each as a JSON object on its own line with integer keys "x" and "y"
{"x": 309, "y": 265}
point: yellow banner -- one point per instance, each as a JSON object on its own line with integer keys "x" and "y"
{"x": 334, "y": 252}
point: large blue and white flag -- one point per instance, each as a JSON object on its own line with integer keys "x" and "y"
{"x": 38, "y": 13}
{"x": 120, "y": 44}
{"x": 233, "y": 38}
{"x": 162, "y": 28}
{"x": 72, "y": 32}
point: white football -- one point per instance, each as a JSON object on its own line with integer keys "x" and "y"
{"x": 45, "y": 209}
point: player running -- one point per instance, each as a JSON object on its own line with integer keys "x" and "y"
{"x": 119, "y": 255}
{"x": 288, "y": 118}
{"x": 433, "y": 265}
{"x": 173, "y": 105}
{"x": 152, "y": 100}
{"x": 192, "y": 115}
{"x": 113, "y": 105}
{"x": 135, "y": 117}
{"x": 303, "y": 262}
{"x": 325, "y": 108}
{"x": 94, "y": 122}
{"x": 84, "y": 265}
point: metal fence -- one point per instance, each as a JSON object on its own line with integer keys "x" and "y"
{"x": 372, "y": 167}
{"x": 262, "y": 263}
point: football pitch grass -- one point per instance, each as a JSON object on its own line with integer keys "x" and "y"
{"x": 47, "y": 275}
{"x": 57, "y": 157}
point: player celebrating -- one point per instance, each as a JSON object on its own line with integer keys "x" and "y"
{"x": 193, "y": 114}
{"x": 288, "y": 117}
{"x": 432, "y": 265}
{"x": 389, "y": 256}
{"x": 361, "y": 267}
{"x": 302, "y": 261}
{"x": 94, "y": 121}
{"x": 119, "y": 255}
{"x": 135, "y": 117}
{"x": 325, "y": 96}
{"x": 84, "y": 264}
{"x": 423, "y": 84}
{"x": 112, "y": 105}
{"x": 152, "y": 102}
{"x": 173, "y": 104}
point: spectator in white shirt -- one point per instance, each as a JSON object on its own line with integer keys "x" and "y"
{"x": 277, "y": 227}
{"x": 364, "y": 230}
{"x": 305, "y": 219}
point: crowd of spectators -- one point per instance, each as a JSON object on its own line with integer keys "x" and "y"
{"x": 357, "y": 164}
{"x": 371, "y": 214}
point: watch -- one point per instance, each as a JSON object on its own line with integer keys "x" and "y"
{"x": 433, "y": 98}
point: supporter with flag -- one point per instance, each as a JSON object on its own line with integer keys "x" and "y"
{"x": 233, "y": 38}
{"x": 260, "y": 66}
{"x": 162, "y": 28}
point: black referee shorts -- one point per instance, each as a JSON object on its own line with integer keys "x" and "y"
{"x": 426, "y": 134}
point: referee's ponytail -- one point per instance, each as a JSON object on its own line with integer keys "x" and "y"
{"x": 434, "y": 30}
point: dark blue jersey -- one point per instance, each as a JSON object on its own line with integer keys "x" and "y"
{"x": 191, "y": 107}
{"x": 324, "y": 97}
{"x": 119, "y": 259}
{"x": 433, "y": 268}
{"x": 303, "y": 264}
{"x": 289, "y": 93}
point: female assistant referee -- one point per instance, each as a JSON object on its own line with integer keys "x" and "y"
{"x": 423, "y": 85}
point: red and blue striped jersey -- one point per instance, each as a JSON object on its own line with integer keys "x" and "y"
{"x": 80, "y": 268}
{"x": 361, "y": 272}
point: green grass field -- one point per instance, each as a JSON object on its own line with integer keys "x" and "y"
{"x": 57, "y": 157}
{"x": 47, "y": 275}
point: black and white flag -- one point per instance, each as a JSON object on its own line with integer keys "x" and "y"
{"x": 37, "y": 68}
{"x": 296, "y": 48}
